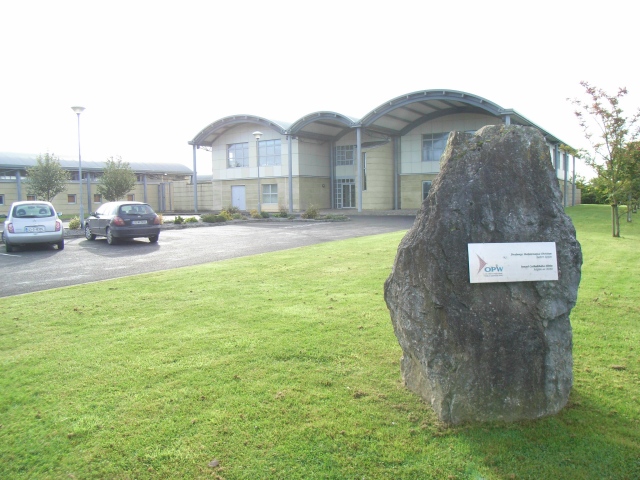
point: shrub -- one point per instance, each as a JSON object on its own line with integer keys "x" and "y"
{"x": 283, "y": 212}
{"x": 211, "y": 218}
{"x": 231, "y": 209}
{"x": 161, "y": 218}
{"x": 191, "y": 220}
{"x": 178, "y": 220}
{"x": 227, "y": 216}
{"x": 74, "y": 223}
{"x": 311, "y": 212}
{"x": 254, "y": 214}
{"x": 264, "y": 214}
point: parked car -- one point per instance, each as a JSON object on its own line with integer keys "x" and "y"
{"x": 32, "y": 222}
{"x": 116, "y": 220}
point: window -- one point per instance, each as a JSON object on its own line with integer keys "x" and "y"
{"x": 238, "y": 155}
{"x": 426, "y": 186}
{"x": 270, "y": 193}
{"x": 31, "y": 198}
{"x": 433, "y": 146}
{"x": 269, "y": 152}
{"x": 345, "y": 154}
{"x": 97, "y": 198}
{"x": 131, "y": 197}
{"x": 1, "y": 199}
{"x": 71, "y": 198}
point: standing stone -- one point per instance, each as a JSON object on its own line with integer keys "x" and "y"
{"x": 486, "y": 351}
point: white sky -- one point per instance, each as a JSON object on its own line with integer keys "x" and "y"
{"x": 153, "y": 74}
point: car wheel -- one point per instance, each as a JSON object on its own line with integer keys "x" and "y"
{"x": 87, "y": 233}
{"x": 7, "y": 246}
{"x": 60, "y": 244}
{"x": 154, "y": 238}
{"x": 111, "y": 240}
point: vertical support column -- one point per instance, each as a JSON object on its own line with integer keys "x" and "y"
{"x": 359, "y": 165}
{"x": 291, "y": 173}
{"x": 194, "y": 179}
{"x": 573, "y": 182}
{"x": 19, "y": 185}
{"x": 565, "y": 167}
{"x": 89, "y": 195}
{"x": 507, "y": 119}
{"x": 396, "y": 171}
{"x": 144, "y": 188}
{"x": 332, "y": 174}
{"x": 555, "y": 158}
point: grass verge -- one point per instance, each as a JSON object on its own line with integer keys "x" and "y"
{"x": 285, "y": 365}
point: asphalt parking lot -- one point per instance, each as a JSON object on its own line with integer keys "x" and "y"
{"x": 38, "y": 268}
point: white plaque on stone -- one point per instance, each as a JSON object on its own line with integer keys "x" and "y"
{"x": 512, "y": 262}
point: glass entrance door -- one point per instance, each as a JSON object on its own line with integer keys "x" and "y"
{"x": 348, "y": 195}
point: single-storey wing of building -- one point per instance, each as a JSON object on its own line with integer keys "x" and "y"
{"x": 165, "y": 186}
{"x": 385, "y": 160}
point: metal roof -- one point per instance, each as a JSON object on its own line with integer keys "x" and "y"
{"x": 25, "y": 160}
{"x": 395, "y": 117}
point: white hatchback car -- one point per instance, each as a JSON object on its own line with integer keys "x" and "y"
{"x": 32, "y": 222}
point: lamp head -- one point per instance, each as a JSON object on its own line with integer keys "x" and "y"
{"x": 77, "y": 110}
{"x": 257, "y": 135}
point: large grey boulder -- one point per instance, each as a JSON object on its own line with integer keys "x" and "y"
{"x": 486, "y": 351}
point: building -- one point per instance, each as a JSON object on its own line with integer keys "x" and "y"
{"x": 384, "y": 161}
{"x": 165, "y": 186}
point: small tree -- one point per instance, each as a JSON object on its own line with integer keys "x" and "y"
{"x": 610, "y": 158}
{"x": 47, "y": 178}
{"x": 117, "y": 180}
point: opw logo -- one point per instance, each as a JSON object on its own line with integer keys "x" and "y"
{"x": 488, "y": 269}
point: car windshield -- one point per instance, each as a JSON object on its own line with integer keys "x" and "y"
{"x": 135, "y": 210}
{"x": 33, "y": 211}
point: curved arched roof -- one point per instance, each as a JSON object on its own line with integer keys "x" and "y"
{"x": 395, "y": 117}
{"x": 211, "y": 132}
{"x": 402, "y": 114}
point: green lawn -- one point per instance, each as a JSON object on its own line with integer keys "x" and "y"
{"x": 285, "y": 365}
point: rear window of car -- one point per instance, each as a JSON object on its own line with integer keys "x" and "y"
{"x": 33, "y": 211}
{"x": 135, "y": 210}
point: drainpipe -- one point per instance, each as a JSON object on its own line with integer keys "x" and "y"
{"x": 194, "y": 179}
{"x": 359, "y": 164}
{"x": 144, "y": 187}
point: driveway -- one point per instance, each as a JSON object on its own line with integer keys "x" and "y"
{"x": 40, "y": 268}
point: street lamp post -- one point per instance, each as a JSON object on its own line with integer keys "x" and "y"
{"x": 258, "y": 135}
{"x": 78, "y": 111}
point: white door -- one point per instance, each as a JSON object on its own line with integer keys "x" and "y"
{"x": 237, "y": 197}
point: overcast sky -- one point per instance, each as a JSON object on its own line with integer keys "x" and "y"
{"x": 153, "y": 74}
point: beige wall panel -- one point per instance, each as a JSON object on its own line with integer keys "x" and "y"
{"x": 315, "y": 191}
{"x": 314, "y": 158}
{"x": 379, "y": 193}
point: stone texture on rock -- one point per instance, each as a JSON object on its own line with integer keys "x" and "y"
{"x": 492, "y": 351}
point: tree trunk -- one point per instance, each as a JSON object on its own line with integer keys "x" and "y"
{"x": 615, "y": 220}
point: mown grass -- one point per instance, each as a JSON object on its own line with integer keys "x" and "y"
{"x": 285, "y": 365}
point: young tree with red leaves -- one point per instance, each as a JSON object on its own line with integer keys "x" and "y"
{"x": 610, "y": 158}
